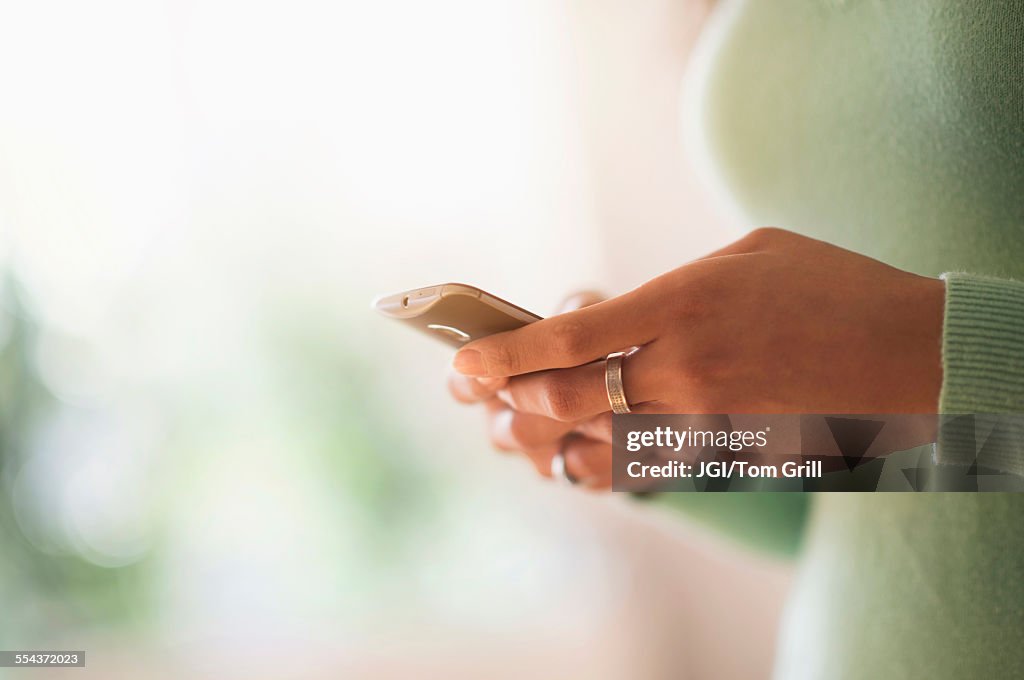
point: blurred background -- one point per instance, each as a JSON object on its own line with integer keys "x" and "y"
{"x": 215, "y": 460}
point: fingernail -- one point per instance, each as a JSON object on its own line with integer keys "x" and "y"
{"x": 488, "y": 381}
{"x": 469, "y": 362}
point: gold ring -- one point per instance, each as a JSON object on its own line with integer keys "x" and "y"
{"x": 613, "y": 383}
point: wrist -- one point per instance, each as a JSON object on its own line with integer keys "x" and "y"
{"x": 927, "y": 312}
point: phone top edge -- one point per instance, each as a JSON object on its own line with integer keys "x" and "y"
{"x": 410, "y": 303}
{"x": 415, "y": 301}
{"x": 460, "y": 289}
{"x": 397, "y": 305}
{"x": 516, "y": 311}
{"x": 376, "y": 302}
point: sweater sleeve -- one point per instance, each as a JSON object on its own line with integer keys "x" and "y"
{"x": 982, "y": 399}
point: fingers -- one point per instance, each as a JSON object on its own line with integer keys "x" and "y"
{"x": 575, "y": 394}
{"x": 561, "y": 341}
{"x": 587, "y": 461}
{"x": 513, "y": 431}
{"x": 468, "y": 390}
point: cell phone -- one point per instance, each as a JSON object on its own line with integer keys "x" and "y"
{"x": 454, "y": 312}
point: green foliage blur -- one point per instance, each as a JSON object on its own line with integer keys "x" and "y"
{"x": 42, "y": 591}
{"x": 327, "y": 409}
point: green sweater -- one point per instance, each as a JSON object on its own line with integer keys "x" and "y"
{"x": 895, "y": 129}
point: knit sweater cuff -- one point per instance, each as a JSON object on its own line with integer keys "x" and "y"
{"x": 983, "y": 364}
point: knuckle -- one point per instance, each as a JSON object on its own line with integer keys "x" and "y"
{"x": 698, "y": 304}
{"x": 504, "y": 358}
{"x": 561, "y": 399}
{"x": 707, "y": 386}
{"x": 704, "y": 292}
{"x": 569, "y": 338}
{"x": 702, "y": 376}
{"x": 766, "y": 235}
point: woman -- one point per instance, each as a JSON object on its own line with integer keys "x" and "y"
{"x": 888, "y": 140}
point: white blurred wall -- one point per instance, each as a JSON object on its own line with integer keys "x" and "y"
{"x": 170, "y": 171}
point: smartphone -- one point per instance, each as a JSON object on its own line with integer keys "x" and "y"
{"x": 454, "y": 312}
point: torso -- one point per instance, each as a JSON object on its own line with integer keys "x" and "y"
{"x": 896, "y": 130}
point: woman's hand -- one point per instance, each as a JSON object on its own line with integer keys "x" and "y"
{"x": 774, "y": 323}
{"x": 587, "y": 453}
